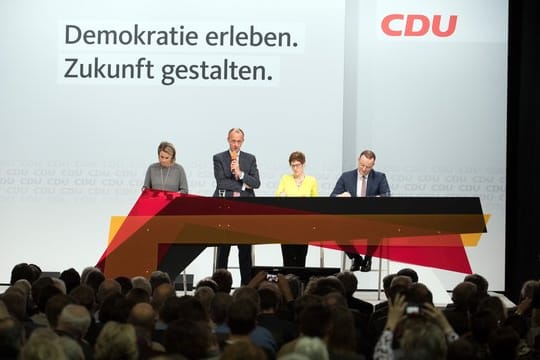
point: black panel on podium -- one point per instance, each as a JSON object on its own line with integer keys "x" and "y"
{"x": 304, "y": 273}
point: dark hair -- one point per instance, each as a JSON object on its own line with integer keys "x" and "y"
{"x": 298, "y": 156}
{"x": 223, "y": 278}
{"x": 242, "y": 317}
{"x": 71, "y": 278}
{"x": 21, "y": 271}
{"x": 188, "y": 338}
{"x": 410, "y": 273}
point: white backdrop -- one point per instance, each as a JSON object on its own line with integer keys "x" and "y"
{"x": 74, "y": 150}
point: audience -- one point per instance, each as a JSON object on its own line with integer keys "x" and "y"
{"x": 88, "y": 316}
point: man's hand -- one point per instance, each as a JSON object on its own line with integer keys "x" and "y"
{"x": 345, "y": 194}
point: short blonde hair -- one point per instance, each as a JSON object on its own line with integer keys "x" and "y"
{"x": 168, "y": 148}
{"x": 116, "y": 341}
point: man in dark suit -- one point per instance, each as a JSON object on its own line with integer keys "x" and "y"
{"x": 363, "y": 181}
{"x": 236, "y": 174}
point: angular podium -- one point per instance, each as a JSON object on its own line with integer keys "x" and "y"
{"x": 159, "y": 221}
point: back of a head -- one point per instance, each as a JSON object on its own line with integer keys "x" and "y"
{"x": 242, "y": 316}
{"x": 462, "y": 292}
{"x": 334, "y": 299}
{"x": 303, "y": 301}
{"x": 349, "y": 281}
{"x": 191, "y": 339}
{"x": 74, "y": 319}
{"x": 157, "y": 278}
{"x": 21, "y": 271}
{"x": 327, "y": 285}
{"x": 419, "y": 293}
{"x": 84, "y": 295}
{"x": 223, "y": 279}
{"x": 161, "y": 294}
{"x": 138, "y": 295}
{"x": 249, "y": 293}
{"x": 410, "y": 273}
{"x": 142, "y": 283}
{"x": 399, "y": 285}
{"x": 312, "y": 347}
{"x": 107, "y": 288}
{"x": 461, "y": 349}
{"x": 205, "y": 295}
{"x": 38, "y": 285}
{"x": 422, "y": 339}
{"x": 503, "y": 344}
{"x": 116, "y": 341}
{"x": 94, "y": 278}
{"x": 315, "y": 320}
{"x": 208, "y": 282}
{"x": 43, "y": 344}
{"x": 269, "y": 298}
{"x": 15, "y": 302}
{"x": 219, "y": 307}
{"x": 480, "y": 282}
{"x": 483, "y": 322}
{"x": 342, "y": 336}
{"x": 125, "y": 284}
{"x": 45, "y": 294}
{"x": 115, "y": 308}
{"x": 54, "y": 308}
{"x": 12, "y": 334}
{"x": 244, "y": 350}
{"x": 191, "y": 308}
{"x": 495, "y": 305}
{"x": 71, "y": 279}
{"x": 142, "y": 315}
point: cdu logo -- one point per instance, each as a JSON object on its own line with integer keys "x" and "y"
{"x": 418, "y": 25}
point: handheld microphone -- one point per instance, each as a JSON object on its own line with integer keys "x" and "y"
{"x": 234, "y": 156}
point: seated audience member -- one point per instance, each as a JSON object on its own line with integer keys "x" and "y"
{"x": 54, "y": 308}
{"x": 244, "y": 350}
{"x": 43, "y": 344}
{"x": 519, "y": 324}
{"x": 84, "y": 295}
{"x": 313, "y": 348}
{"x": 458, "y": 313}
{"x": 242, "y": 321}
{"x": 410, "y": 273}
{"x": 350, "y": 284}
{"x": 107, "y": 288}
{"x": 326, "y": 285}
{"x": 142, "y": 283}
{"x": 142, "y": 317}
{"x": 12, "y": 337}
{"x": 218, "y": 313}
{"x": 125, "y": 284}
{"x": 341, "y": 340}
{"x": 314, "y": 321}
{"x": 496, "y": 306}
{"x": 138, "y": 295}
{"x": 205, "y": 294}
{"x": 73, "y": 322}
{"x": 47, "y": 292}
{"x": 22, "y": 271}
{"x": 421, "y": 335}
{"x": 282, "y": 330}
{"x": 480, "y": 282}
{"x": 387, "y": 281}
{"x": 503, "y": 344}
{"x": 114, "y": 308}
{"x": 116, "y": 341}
{"x": 159, "y": 277}
{"x": 483, "y": 323}
{"x": 461, "y": 349}
{"x": 260, "y": 335}
{"x": 71, "y": 279}
{"x": 209, "y": 282}
{"x": 94, "y": 279}
{"x": 223, "y": 279}
{"x": 192, "y": 339}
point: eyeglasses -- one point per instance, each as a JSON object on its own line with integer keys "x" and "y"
{"x": 295, "y": 165}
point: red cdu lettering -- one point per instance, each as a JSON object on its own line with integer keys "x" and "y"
{"x": 417, "y": 25}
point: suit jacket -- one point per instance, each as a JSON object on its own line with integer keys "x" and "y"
{"x": 225, "y": 180}
{"x": 377, "y": 185}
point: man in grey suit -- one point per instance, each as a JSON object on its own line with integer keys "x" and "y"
{"x": 363, "y": 181}
{"x": 236, "y": 174}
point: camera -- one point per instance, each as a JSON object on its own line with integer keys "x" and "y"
{"x": 272, "y": 277}
{"x": 413, "y": 309}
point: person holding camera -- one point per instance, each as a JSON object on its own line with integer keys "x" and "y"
{"x": 421, "y": 328}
